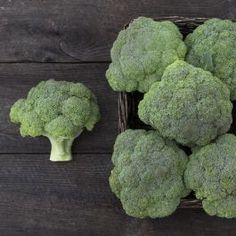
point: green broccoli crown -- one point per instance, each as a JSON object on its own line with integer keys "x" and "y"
{"x": 211, "y": 173}
{"x": 59, "y": 109}
{"x": 142, "y": 52}
{"x": 212, "y": 46}
{"x": 189, "y": 105}
{"x": 148, "y": 173}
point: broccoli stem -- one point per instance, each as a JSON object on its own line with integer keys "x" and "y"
{"x": 61, "y": 149}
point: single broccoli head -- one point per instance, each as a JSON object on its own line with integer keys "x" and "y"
{"x": 148, "y": 174}
{"x": 189, "y": 105}
{"x": 212, "y": 46}
{"x": 59, "y": 110}
{"x": 211, "y": 173}
{"x": 142, "y": 52}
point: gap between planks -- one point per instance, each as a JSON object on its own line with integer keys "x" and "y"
{"x": 66, "y": 63}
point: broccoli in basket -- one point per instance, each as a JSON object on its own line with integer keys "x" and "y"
{"x": 188, "y": 105}
{"x": 141, "y": 53}
{"x": 211, "y": 173}
{"x": 148, "y": 173}
{"x": 212, "y": 46}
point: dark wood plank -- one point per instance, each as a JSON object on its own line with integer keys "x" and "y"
{"x": 43, "y": 198}
{"x": 79, "y": 30}
{"x": 17, "y": 79}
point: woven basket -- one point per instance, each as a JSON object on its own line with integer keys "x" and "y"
{"x": 128, "y": 102}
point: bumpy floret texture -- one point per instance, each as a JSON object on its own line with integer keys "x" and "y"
{"x": 142, "y": 52}
{"x": 211, "y": 173}
{"x": 148, "y": 174}
{"x": 189, "y": 105}
{"x": 212, "y": 46}
{"x": 56, "y": 108}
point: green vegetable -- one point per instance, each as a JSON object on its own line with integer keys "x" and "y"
{"x": 141, "y": 53}
{"x": 211, "y": 173}
{"x": 58, "y": 110}
{"x": 212, "y": 46}
{"x": 188, "y": 105}
{"x": 148, "y": 174}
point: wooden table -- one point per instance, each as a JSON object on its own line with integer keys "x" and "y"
{"x": 70, "y": 40}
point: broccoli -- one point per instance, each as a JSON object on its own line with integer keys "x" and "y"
{"x": 142, "y": 52}
{"x": 211, "y": 173}
{"x": 212, "y": 46}
{"x": 148, "y": 174}
{"x": 58, "y": 110}
{"x": 189, "y": 105}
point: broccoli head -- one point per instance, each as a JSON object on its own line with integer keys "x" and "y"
{"x": 189, "y": 105}
{"x": 212, "y": 46}
{"x": 211, "y": 173}
{"x": 58, "y": 110}
{"x": 148, "y": 174}
{"x": 142, "y": 52}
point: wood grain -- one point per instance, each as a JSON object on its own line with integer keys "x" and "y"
{"x": 83, "y": 31}
{"x": 43, "y": 198}
{"x": 17, "y": 79}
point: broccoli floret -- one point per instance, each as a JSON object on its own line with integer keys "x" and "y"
{"x": 189, "y": 105}
{"x": 58, "y": 110}
{"x": 142, "y": 52}
{"x": 148, "y": 174}
{"x": 211, "y": 173}
{"x": 212, "y": 46}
